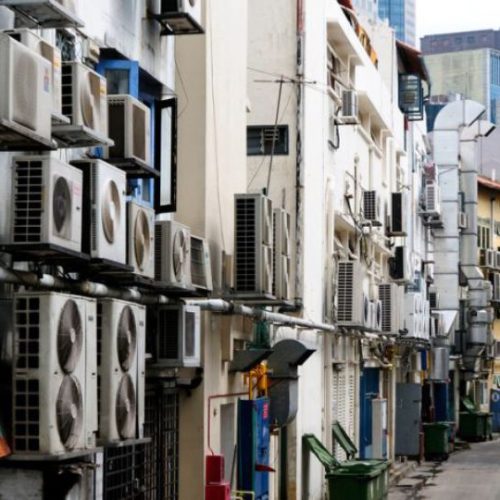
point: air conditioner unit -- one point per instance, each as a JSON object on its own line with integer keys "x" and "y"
{"x": 282, "y": 251}
{"x": 50, "y": 53}
{"x": 376, "y": 320}
{"x": 432, "y": 199}
{"x": 353, "y": 308}
{"x": 121, "y": 367}
{"x": 399, "y": 266}
{"x": 201, "y": 264}
{"x": 496, "y": 287}
{"x": 413, "y": 314}
{"x": 183, "y": 16}
{"x": 129, "y": 127}
{"x": 389, "y": 295}
{"x": 47, "y": 203}
{"x": 349, "y": 107}
{"x": 44, "y": 13}
{"x": 104, "y": 210}
{"x": 371, "y": 208}
{"x": 140, "y": 239}
{"x": 463, "y": 220}
{"x": 84, "y": 97}
{"x": 253, "y": 259}
{"x": 25, "y": 88}
{"x": 491, "y": 258}
{"x": 178, "y": 336}
{"x": 433, "y": 298}
{"x": 426, "y": 316}
{"x": 497, "y": 260}
{"x": 399, "y": 208}
{"x": 173, "y": 254}
{"x": 54, "y": 373}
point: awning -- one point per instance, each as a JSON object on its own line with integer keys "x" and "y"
{"x": 346, "y": 3}
{"x": 488, "y": 183}
{"x": 412, "y": 61}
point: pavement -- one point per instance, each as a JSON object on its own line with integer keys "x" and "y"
{"x": 469, "y": 474}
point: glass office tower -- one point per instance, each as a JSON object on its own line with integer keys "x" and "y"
{"x": 401, "y": 16}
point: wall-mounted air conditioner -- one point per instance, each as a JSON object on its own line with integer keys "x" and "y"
{"x": 349, "y": 107}
{"x": 463, "y": 220}
{"x": 282, "y": 254}
{"x": 49, "y": 52}
{"x": 178, "y": 336}
{"x": 201, "y": 264}
{"x": 353, "y": 304}
{"x": 433, "y": 298}
{"x": 105, "y": 230}
{"x": 129, "y": 127}
{"x": 25, "y": 89}
{"x": 182, "y": 16}
{"x": 372, "y": 208}
{"x": 173, "y": 254}
{"x": 497, "y": 260}
{"x": 389, "y": 296}
{"x": 84, "y": 96}
{"x": 490, "y": 259}
{"x": 399, "y": 265}
{"x": 399, "y": 208}
{"x": 46, "y": 203}
{"x": 54, "y": 373}
{"x": 426, "y": 317}
{"x": 432, "y": 199}
{"x": 413, "y": 313}
{"x": 141, "y": 239}
{"x": 496, "y": 287}
{"x": 121, "y": 367}
{"x": 253, "y": 248}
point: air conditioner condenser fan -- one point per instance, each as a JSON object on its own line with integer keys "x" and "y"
{"x": 69, "y": 411}
{"x": 90, "y": 101}
{"x": 180, "y": 252}
{"x": 111, "y": 207}
{"x": 126, "y": 408}
{"x": 126, "y": 338}
{"x": 142, "y": 239}
{"x": 61, "y": 203}
{"x": 69, "y": 336}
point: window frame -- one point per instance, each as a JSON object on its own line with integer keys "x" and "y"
{"x": 277, "y": 152}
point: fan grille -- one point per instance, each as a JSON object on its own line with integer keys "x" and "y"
{"x": 126, "y": 338}
{"x": 180, "y": 253}
{"x": 142, "y": 239}
{"x": 111, "y": 207}
{"x": 69, "y": 336}
{"x": 126, "y": 408}
{"x": 61, "y": 205}
{"x": 69, "y": 412}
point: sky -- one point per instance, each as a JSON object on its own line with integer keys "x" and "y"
{"x": 445, "y": 16}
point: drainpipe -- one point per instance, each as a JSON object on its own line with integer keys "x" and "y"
{"x": 479, "y": 290}
{"x": 450, "y": 121}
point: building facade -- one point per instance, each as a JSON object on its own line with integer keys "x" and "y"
{"x": 401, "y": 15}
{"x": 466, "y": 63}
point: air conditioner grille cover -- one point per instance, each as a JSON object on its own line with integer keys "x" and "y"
{"x": 69, "y": 411}
{"x": 69, "y": 336}
{"x": 345, "y": 311}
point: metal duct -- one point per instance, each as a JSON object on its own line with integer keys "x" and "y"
{"x": 440, "y": 364}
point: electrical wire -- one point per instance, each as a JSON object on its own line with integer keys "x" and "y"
{"x": 186, "y": 96}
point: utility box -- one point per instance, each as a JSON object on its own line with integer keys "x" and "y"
{"x": 408, "y": 419}
{"x": 253, "y": 447}
{"x": 379, "y": 428}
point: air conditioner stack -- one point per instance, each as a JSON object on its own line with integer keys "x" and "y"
{"x": 121, "y": 368}
{"x": 85, "y": 104}
{"x": 50, "y": 53}
{"x": 104, "y": 210}
{"x": 140, "y": 239}
{"x": 46, "y": 203}
{"x": 282, "y": 257}
{"x": 25, "y": 97}
{"x": 54, "y": 373}
{"x": 178, "y": 337}
{"x": 390, "y": 296}
{"x": 253, "y": 259}
{"x": 129, "y": 127}
{"x": 353, "y": 304}
{"x": 201, "y": 265}
{"x": 173, "y": 255}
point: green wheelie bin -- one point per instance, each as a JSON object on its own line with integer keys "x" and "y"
{"x": 350, "y": 479}
{"x": 474, "y": 425}
{"x": 436, "y": 441}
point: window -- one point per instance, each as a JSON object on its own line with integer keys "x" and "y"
{"x": 483, "y": 237}
{"x": 125, "y": 77}
{"x": 261, "y": 140}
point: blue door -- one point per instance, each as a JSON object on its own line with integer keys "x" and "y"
{"x": 495, "y": 408}
{"x": 369, "y": 390}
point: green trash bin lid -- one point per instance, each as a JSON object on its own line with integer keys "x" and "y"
{"x": 343, "y": 439}
{"x": 469, "y": 405}
{"x": 436, "y": 425}
{"x": 358, "y": 468}
{"x": 316, "y": 447}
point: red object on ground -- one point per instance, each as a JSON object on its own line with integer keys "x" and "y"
{"x": 5, "y": 450}
{"x": 218, "y": 491}
{"x": 214, "y": 469}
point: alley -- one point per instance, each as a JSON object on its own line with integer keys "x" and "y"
{"x": 468, "y": 474}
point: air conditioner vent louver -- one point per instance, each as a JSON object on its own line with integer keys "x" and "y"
{"x": 67, "y": 84}
{"x": 371, "y": 206}
{"x": 432, "y": 202}
{"x": 345, "y": 292}
{"x": 28, "y": 204}
{"x": 246, "y": 260}
{"x": 201, "y": 271}
{"x": 387, "y": 306}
